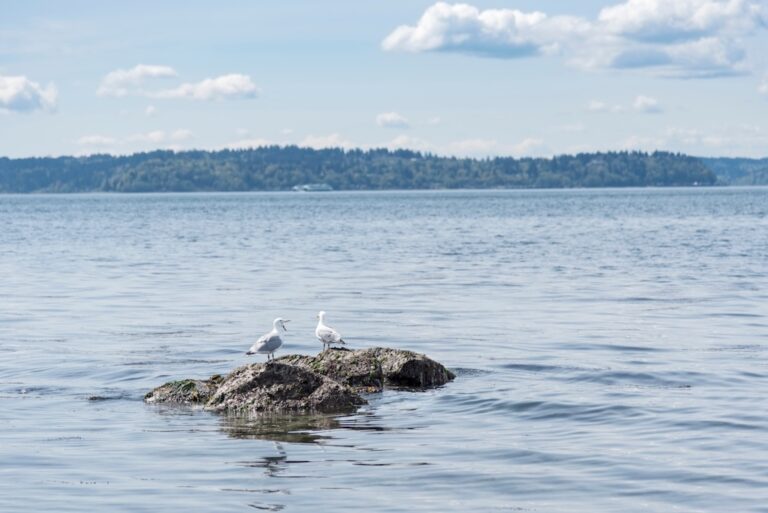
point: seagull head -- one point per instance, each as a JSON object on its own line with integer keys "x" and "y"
{"x": 279, "y": 324}
{"x": 321, "y": 315}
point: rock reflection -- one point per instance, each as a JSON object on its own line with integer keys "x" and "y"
{"x": 279, "y": 428}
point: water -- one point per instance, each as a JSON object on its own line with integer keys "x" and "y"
{"x": 611, "y": 348}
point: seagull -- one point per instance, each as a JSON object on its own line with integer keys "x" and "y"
{"x": 268, "y": 344}
{"x": 326, "y": 334}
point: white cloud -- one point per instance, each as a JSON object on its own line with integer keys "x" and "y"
{"x": 96, "y": 140}
{"x": 230, "y": 86}
{"x": 763, "y": 87}
{"x": 476, "y": 146}
{"x": 404, "y": 142}
{"x": 248, "y": 143}
{"x": 19, "y": 94}
{"x": 150, "y": 110}
{"x": 122, "y": 82}
{"x": 392, "y": 120}
{"x": 325, "y": 141}
{"x": 182, "y": 134}
{"x": 434, "y": 120}
{"x": 505, "y": 33}
{"x": 152, "y": 139}
{"x": 601, "y": 106}
{"x": 155, "y": 136}
{"x": 678, "y": 20}
{"x": 641, "y": 103}
{"x": 528, "y": 147}
{"x": 642, "y": 143}
{"x": 646, "y": 104}
{"x": 680, "y": 38}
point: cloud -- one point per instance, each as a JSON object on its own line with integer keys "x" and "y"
{"x": 19, "y": 94}
{"x": 182, "y": 134}
{"x": 156, "y": 136}
{"x": 528, "y": 147}
{"x": 152, "y": 139}
{"x": 248, "y": 143}
{"x": 601, "y": 106}
{"x": 392, "y": 120}
{"x": 647, "y": 105}
{"x": 150, "y": 110}
{"x": 503, "y": 33}
{"x": 96, "y": 140}
{"x": 641, "y": 103}
{"x": 472, "y": 146}
{"x": 232, "y": 86}
{"x": 681, "y": 38}
{"x": 665, "y": 21}
{"x": 763, "y": 87}
{"x": 325, "y": 141}
{"x": 123, "y": 82}
{"x": 159, "y": 136}
{"x": 404, "y": 142}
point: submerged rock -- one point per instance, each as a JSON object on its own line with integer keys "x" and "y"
{"x": 328, "y": 382}
{"x": 373, "y": 369}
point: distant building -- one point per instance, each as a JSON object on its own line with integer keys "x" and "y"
{"x": 312, "y": 187}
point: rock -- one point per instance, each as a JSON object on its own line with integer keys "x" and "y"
{"x": 275, "y": 386}
{"x": 351, "y": 368}
{"x": 185, "y": 391}
{"x": 328, "y": 382}
{"x": 371, "y": 370}
{"x": 406, "y": 369}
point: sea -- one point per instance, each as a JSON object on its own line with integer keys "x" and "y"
{"x": 610, "y": 347}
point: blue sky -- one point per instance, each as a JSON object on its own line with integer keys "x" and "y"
{"x": 478, "y": 78}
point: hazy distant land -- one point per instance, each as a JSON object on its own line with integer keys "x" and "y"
{"x": 281, "y": 168}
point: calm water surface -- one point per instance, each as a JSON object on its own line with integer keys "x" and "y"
{"x": 611, "y": 350}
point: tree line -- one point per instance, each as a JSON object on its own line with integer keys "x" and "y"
{"x": 282, "y": 167}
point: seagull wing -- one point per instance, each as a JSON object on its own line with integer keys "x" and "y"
{"x": 328, "y": 335}
{"x": 266, "y": 344}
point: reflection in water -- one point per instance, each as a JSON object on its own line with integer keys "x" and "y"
{"x": 279, "y": 427}
{"x": 272, "y": 465}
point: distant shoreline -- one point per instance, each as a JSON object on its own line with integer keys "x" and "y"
{"x": 281, "y": 168}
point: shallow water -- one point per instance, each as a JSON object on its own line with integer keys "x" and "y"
{"x": 611, "y": 348}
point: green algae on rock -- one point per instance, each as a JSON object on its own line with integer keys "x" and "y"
{"x": 185, "y": 391}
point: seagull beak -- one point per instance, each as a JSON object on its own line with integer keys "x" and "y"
{"x": 286, "y": 329}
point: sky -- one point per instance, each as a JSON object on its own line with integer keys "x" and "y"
{"x": 482, "y": 78}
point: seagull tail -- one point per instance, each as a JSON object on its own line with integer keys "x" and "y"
{"x": 250, "y": 352}
{"x": 342, "y": 342}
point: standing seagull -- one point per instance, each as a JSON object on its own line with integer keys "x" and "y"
{"x": 326, "y": 334}
{"x": 268, "y": 344}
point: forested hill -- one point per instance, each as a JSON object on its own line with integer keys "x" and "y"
{"x": 733, "y": 171}
{"x": 281, "y": 168}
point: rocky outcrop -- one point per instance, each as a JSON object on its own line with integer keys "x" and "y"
{"x": 372, "y": 370}
{"x": 277, "y": 386}
{"x": 328, "y": 382}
